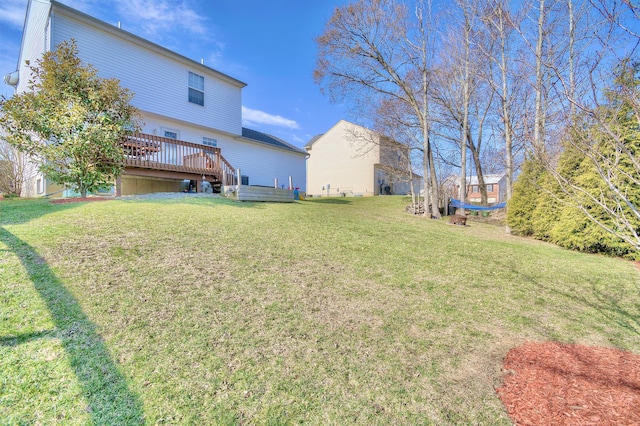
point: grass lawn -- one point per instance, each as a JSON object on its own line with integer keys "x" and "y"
{"x": 331, "y": 311}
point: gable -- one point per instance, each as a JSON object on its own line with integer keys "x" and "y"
{"x": 158, "y": 77}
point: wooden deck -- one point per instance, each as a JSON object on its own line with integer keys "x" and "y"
{"x": 155, "y": 156}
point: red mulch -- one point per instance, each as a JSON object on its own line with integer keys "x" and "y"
{"x": 552, "y": 383}
{"x": 78, "y": 199}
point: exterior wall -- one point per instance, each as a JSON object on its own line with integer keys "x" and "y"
{"x": 53, "y": 190}
{"x": 398, "y": 183}
{"x": 476, "y": 197}
{"x": 339, "y": 163}
{"x": 34, "y": 40}
{"x": 498, "y": 194}
{"x": 261, "y": 163}
{"x": 132, "y": 185}
{"x": 392, "y": 156}
{"x": 159, "y": 82}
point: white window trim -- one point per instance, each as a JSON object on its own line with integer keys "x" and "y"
{"x": 198, "y": 89}
{"x": 165, "y": 129}
{"x": 207, "y": 141}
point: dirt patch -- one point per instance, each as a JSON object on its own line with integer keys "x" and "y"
{"x": 78, "y": 199}
{"x": 560, "y": 384}
{"x": 495, "y": 217}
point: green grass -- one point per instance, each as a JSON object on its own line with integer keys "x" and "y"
{"x": 343, "y": 311}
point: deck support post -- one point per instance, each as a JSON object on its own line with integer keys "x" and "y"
{"x": 118, "y": 186}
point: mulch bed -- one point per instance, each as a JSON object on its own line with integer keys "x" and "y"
{"x": 552, "y": 383}
{"x": 78, "y": 199}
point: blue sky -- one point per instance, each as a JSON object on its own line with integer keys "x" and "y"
{"x": 267, "y": 44}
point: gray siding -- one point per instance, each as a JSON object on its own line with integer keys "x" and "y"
{"x": 261, "y": 163}
{"x": 160, "y": 83}
{"x": 34, "y": 39}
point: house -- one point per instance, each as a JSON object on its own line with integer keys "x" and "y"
{"x": 191, "y": 113}
{"x": 496, "y": 185}
{"x": 352, "y": 160}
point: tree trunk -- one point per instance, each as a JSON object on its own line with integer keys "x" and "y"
{"x": 435, "y": 210}
{"x": 465, "y": 105}
{"x": 475, "y": 155}
{"x": 538, "y": 131}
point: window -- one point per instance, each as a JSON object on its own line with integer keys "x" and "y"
{"x": 209, "y": 141}
{"x": 474, "y": 188}
{"x": 39, "y": 186}
{"x": 244, "y": 180}
{"x": 196, "y": 89}
{"x": 170, "y": 155}
{"x": 490, "y": 187}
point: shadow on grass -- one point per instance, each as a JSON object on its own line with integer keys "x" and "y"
{"x": 196, "y": 201}
{"x": 594, "y": 298}
{"x": 24, "y": 338}
{"x": 19, "y": 211}
{"x": 109, "y": 400}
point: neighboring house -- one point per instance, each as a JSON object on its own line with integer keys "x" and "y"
{"x": 496, "y": 188}
{"x": 191, "y": 114}
{"x": 352, "y": 160}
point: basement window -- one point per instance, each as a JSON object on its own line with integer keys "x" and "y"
{"x": 196, "y": 89}
{"x": 209, "y": 141}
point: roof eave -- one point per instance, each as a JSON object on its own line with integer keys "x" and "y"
{"x": 119, "y": 32}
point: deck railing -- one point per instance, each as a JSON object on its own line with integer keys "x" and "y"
{"x": 159, "y": 153}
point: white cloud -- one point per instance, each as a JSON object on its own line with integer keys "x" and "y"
{"x": 12, "y": 12}
{"x": 252, "y": 116}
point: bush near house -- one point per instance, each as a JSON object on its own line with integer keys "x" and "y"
{"x": 540, "y": 209}
{"x": 71, "y": 120}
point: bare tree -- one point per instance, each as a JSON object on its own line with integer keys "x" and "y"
{"x": 605, "y": 122}
{"x": 466, "y": 97}
{"x": 461, "y": 93}
{"x": 500, "y": 25}
{"x": 607, "y": 143}
{"x": 396, "y": 121}
{"x": 15, "y": 169}
{"x": 371, "y": 50}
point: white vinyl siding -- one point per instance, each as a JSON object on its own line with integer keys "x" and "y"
{"x": 346, "y": 165}
{"x": 261, "y": 163}
{"x": 34, "y": 41}
{"x": 157, "y": 81}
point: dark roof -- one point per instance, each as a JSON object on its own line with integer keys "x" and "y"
{"x": 269, "y": 140}
{"x": 313, "y": 139}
